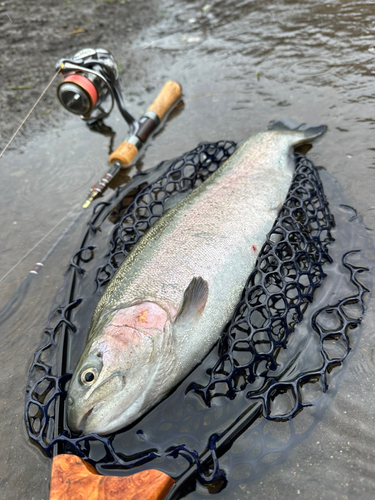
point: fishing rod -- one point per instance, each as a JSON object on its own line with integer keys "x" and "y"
{"x": 90, "y": 87}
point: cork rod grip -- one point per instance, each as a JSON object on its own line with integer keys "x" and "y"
{"x": 124, "y": 153}
{"x": 168, "y": 95}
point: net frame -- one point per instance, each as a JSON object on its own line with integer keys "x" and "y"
{"x": 300, "y": 234}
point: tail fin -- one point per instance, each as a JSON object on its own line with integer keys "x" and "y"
{"x": 310, "y": 132}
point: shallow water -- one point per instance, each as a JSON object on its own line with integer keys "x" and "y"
{"x": 241, "y": 64}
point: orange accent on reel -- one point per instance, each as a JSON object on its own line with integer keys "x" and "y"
{"x": 84, "y": 83}
{"x": 74, "y": 479}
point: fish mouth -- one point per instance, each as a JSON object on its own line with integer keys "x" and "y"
{"x": 86, "y": 415}
{"x": 83, "y": 422}
{"x": 78, "y": 423}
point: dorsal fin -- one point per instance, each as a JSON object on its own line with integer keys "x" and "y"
{"x": 194, "y": 301}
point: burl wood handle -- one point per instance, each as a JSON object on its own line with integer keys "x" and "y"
{"x": 74, "y": 479}
{"x": 124, "y": 153}
{"x": 168, "y": 95}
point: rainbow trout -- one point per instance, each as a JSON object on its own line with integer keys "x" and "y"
{"x": 170, "y": 300}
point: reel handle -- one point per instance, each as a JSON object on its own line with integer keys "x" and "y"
{"x": 126, "y": 151}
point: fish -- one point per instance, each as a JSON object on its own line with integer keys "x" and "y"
{"x": 170, "y": 300}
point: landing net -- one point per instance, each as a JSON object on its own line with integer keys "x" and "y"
{"x": 247, "y": 371}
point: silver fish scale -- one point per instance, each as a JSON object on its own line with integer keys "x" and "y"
{"x": 216, "y": 233}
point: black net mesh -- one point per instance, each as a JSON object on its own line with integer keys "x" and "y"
{"x": 288, "y": 270}
{"x": 247, "y": 375}
{"x": 149, "y": 204}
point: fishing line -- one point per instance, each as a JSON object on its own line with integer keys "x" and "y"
{"x": 1, "y": 154}
{"x": 44, "y": 237}
{"x": 62, "y": 235}
{"x": 29, "y": 113}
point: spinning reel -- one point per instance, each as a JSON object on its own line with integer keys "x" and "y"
{"x": 90, "y": 87}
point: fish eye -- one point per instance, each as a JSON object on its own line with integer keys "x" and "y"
{"x": 89, "y": 376}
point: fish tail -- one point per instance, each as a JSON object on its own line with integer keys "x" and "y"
{"x": 309, "y": 132}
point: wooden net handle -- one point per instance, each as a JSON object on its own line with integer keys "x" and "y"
{"x": 74, "y": 479}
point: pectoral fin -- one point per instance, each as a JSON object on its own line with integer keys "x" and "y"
{"x": 194, "y": 301}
